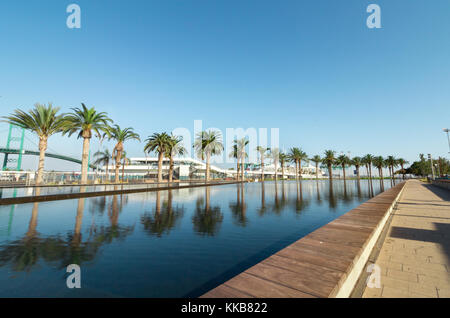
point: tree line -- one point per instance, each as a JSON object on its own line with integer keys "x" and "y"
{"x": 46, "y": 120}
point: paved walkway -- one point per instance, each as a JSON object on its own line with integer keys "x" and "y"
{"x": 415, "y": 256}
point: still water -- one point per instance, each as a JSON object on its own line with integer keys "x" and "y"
{"x": 172, "y": 243}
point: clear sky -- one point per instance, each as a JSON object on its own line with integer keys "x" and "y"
{"x": 310, "y": 68}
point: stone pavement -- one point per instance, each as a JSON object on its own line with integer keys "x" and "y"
{"x": 415, "y": 256}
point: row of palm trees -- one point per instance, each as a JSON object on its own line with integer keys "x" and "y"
{"x": 46, "y": 120}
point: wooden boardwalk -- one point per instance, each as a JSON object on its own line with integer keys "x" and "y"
{"x": 322, "y": 264}
{"x": 415, "y": 256}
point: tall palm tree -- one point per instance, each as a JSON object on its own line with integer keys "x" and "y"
{"x": 208, "y": 143}
{"x": 103, "y": 158}
{"x": 391, "y": 162}
{"x": 367, "y": 159}
{"x": 160, "y": 143}
{"x": 343, "y": 161}
{"x": 275, "y": 156}
{"x": 402, "y": 162}
{"x": 262, "y": 154}
{"x": 294, "y": 156}
{"x": 329, "y": 160}
{"x": 378, "y": 162}
{"x": 44, "y": 122}
{"x": 357, "y": 162}
{"x": 235, "y": 154}
{"x": 83, "y": 121}
{"x": 317, "y": 160}
{"x": 174, "y": 148}
{"x": 120, "y": 136}
{"x": 241, "y": 145}
{"x": 283, "y": 159}
{"x": 302, "y": 156}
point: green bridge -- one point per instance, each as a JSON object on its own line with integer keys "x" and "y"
{"x": 7, "y": 152}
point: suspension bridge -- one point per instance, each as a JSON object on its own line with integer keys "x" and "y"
{"x": 14, "y": 150}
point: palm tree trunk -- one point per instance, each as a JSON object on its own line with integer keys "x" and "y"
{"x": 282, "y": 171}
{"x": 160, "y": 162}
{"x": 208, "y": 157}
{"x": 85, "y": 160}
{"x": 107, "y": 170}
{"x": 42, "y": 149}
{"x": 123, "y": 170}
{"x": 317, "y": 170}
{"x": 171, "y": 170}
{"x": 330, "y": 172}
{"x": 262, "y": 168}
{"x": 343, "y": 170}
{"x": 118, "y": 156}
{"x": 300, "y": 168}
{"x": 276, "y": 170}
{"x": 237, "y": 169}
{"x": 243, "y": 170}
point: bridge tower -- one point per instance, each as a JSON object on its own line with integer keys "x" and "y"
{"x": 16, "y": 136}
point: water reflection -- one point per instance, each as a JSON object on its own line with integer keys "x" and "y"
{"x": 208, "y": 230}
{"x": 207, "y": 219}
{"x": 161, "y": 222}
{"x": 238, "y": 208}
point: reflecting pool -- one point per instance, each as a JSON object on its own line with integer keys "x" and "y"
{"x": 172, "y": 243}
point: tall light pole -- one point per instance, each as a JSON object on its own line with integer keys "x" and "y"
{"x": 448, "y": 137}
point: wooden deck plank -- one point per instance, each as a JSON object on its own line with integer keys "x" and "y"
{"x": 304, "y": 283}
{"x": 317, "y": 264}
{"x": 258, "y": 287}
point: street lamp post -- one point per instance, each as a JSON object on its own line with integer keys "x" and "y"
{"x": 448, "y": 137}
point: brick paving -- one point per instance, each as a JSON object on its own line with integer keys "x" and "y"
{"x": 415, "y": 256}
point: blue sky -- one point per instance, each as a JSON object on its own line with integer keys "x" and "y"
{"x": 311, "y": 68}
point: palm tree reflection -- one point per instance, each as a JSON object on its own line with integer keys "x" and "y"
{"x": 161, "y": 221}
{"x": 61, "y": 249}
{"x": 206, "y": 219}
{"x": 239, "y": 208}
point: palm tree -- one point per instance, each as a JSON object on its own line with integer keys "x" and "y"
{"x": 235, "y": 154}
{"x": 367, "y": 160}
{"x": 275, "y": 156}
{"x": 402, "y": 162}
{"x": 238, "y": 152}
{"x": 43, "y": 121}
{"x": 83, "y": 121}
{"x": 160, "y": 143}
{"x": 120, "y": 136}
{"x": 294, "y": 156}
{"x": 378, "y": 162}
{"x": 316, "y": 159}
{"x": 343, "y": 161}
{"x": 207, "y": 144}
{"x": 103, "y": 158}
{"x": 391, "y": 162}
{"x": 175, "y": 148}
{"x": 357, "y": 162}
{"x": 283, "y": 159}
{"x": 262, "y": 154}
{"x": 329, "y": 160}
{"x": 302, "y": 157}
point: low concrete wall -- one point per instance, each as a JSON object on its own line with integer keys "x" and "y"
{"x": 442, "y": 183}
